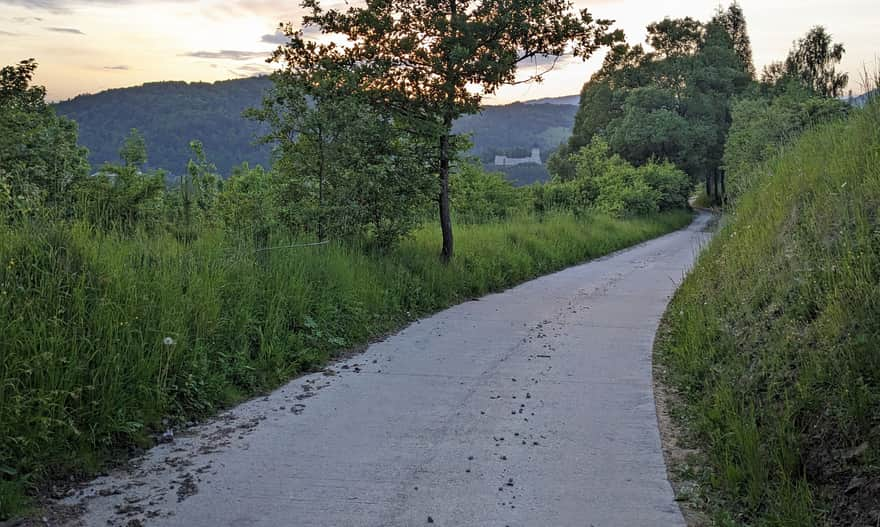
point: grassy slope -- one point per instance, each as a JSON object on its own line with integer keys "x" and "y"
{"x": 774, "y": 339}
{"x": 84, "y": 369}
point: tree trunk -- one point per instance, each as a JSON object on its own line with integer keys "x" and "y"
{"x": 445, "y": 219}
{"x": 321, "y": 188}
{"x": 443, "y": 199}
{"x": 714, "y": 187}
{"x": 709, "y": 187}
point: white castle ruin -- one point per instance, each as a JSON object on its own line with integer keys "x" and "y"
{"x": 504, "y": 161}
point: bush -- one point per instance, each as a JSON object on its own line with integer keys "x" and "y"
{"x": 122, "y": 197}
{"x": 673, "y": 186}
{"x": 479, "y": 196}
{"x": 624, "y": 192}
{"x": 761, "y": 126}
{"x": 606, "y": 183}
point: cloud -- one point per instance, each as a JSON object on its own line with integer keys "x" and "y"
{"x": 310, "y": 32}
{"x": 252, "y": 70}
{"x": 121, "y": 67}
{"x": 227, "y": 54}
{"x": 8, "y": 34}
{"x": 64, "y": 6}
{"x": 275, "y": 38}
{"x": 71, "y": 30}
{"x": 52, "y": 6}
{"x": 25, "y": 19}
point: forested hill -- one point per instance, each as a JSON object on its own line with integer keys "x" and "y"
{"x": 171, "y": 114}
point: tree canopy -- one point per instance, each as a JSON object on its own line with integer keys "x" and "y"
{"x": 40, "y": 160}
{"x": 670, "y": 101}
{"x": 420, "y": 60}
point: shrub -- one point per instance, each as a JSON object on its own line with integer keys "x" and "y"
{"x": 479, "y": 196}
{"x": 672, "y": 184}
{"x": 761, "y": 126}
{"x": 605, "y": 182}
{"x": 623, "y": 192}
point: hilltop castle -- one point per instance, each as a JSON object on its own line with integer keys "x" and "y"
{"x": 504, "y": 161}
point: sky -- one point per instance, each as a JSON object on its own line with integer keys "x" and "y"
{"x": 86, "y": 46}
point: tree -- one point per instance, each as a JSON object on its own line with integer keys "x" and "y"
{"x": 812, "y": 62}
{"x": 734, "y": 22}
{"x": 675, "y": 37}
{"x": 133, "y": 151}
{"x": 121, "y": 195}
{"x": 344, "y": 169}
{"x": 718, "y": 75}
{"x": 202, "y": 182}
{"x": 671, "y": 103}
{"x": 247, "y": 204}
{"x": 40, "y": 159}
{"x": 418, "y": 59}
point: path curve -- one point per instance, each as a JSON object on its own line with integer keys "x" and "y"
{"x": 531, "y": 407}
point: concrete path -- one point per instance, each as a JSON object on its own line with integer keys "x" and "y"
{"x": 531, "y": 407}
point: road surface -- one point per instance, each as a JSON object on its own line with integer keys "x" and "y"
{"x": 531, "y": 407}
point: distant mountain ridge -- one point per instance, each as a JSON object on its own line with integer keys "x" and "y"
{"x": 861, "y": 100}
{"x": 573, "y": 100}
{"x": 171, "y": 114}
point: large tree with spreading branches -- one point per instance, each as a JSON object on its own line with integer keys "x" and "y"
{"x": 428, "y": 62}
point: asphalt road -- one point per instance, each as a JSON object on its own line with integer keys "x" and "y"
{"x": 531, "y": 407}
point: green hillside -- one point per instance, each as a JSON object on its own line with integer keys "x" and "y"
{"x": 170, "y": 114}
{"x": 773, "y": 339}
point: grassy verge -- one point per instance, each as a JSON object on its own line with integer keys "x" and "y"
{"x": 772, "y": 342}
{"x": 105, "y": 336}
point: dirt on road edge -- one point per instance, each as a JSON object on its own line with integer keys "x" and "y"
{"x": 683, "y": 460}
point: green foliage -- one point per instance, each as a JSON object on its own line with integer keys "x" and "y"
{"x": 133, "y": 152}
{"x": 480, "y": 196}
{"x": 201, "y": 184}
{"x": 605, "y": 182}
{"x": 671, "y": 103}
{"x": 122, "y": 197}
{"x": 247, "y": 205}
{"x": 675, "y": 37}
{"x": 40, "y": 161}
{"x": 521, "y": 175}
{"x": 772, "y": 339}
{"x": 417, "y": 60}
{"x": 673, "y": 187}
{"x": 104, "y": 335}
{"x": 344, "y": 169}
{"x": 622, "y": 191}
{"x": 642, "y": 134}
{"x": 734, "y": 23}
{"x": 812, "y": 63}
{"x": 762, "y": 125}
{"x": 170, "y": 114}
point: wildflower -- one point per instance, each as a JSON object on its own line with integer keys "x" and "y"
{"x": 168, "y": 341}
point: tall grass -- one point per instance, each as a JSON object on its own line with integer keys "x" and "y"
{"x": 104, "y": 335}
{"x": 774, "y": 338}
